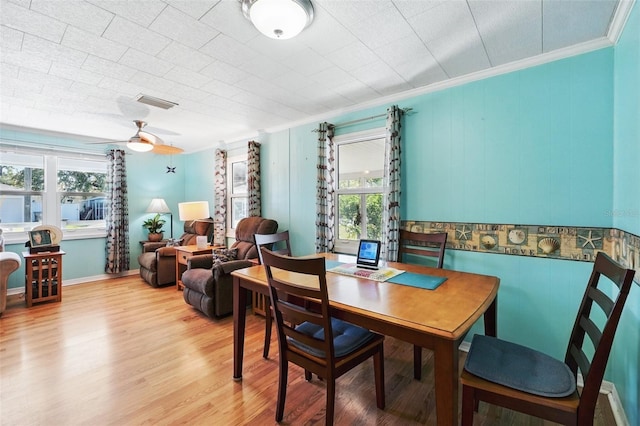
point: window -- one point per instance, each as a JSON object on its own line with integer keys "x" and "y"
{"x": 81, "y": 184}
{"x": 237, "y": 190}
{"x": 63, "y": 189}
{"x": 360, "y": 188}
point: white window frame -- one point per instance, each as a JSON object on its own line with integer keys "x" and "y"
{"x": 51, "y": 205}
{"x": 343, "y": 245}
{"x": 231, "y": 196}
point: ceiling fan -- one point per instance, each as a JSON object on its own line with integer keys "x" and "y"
{"x": 144, "y": 142}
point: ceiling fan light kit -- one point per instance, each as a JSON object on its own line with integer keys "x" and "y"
{"x": 145, "y": 142}
{"x": 279, "y": 19}
{"x": 139, "y": 145}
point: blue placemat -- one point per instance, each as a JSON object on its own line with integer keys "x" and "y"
{"x": 428, "y": 282}
{"x": 330, "y": 264}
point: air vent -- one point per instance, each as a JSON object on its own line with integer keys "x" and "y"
{"x": 156, "y": 102}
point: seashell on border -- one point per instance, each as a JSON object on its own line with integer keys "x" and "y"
{"x": 548, "y": 245}
{"x": 488, "y": 242}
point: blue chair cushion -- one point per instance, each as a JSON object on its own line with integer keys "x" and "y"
{"x": 519, "y": 367}
{"x": 346, "y": 337}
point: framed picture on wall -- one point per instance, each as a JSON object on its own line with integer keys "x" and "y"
{"x": 40, "y": 238}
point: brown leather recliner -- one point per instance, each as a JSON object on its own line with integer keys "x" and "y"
{"x": 158, "y": 262}
{"x": 208, "y": 287}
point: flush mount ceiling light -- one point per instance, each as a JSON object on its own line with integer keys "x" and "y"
{"x": 278, "y": 19}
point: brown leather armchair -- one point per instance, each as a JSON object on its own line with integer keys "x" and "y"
{"x": 158, "y": 262}
{"x": 208, "y": 285}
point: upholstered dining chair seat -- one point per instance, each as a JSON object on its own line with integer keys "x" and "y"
{"x": 519, "y": 367}
{"x": 346, "y": 337}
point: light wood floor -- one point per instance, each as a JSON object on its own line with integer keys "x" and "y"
{"x": 119, "y": 352}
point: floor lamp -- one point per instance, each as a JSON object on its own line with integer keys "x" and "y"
{"x": 158, "y": 205}
{"x": 196, "y": 211}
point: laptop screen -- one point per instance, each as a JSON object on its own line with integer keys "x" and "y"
{"x": 368, "y": 253}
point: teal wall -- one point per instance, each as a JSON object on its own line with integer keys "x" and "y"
{"x": 147, "y": 178}
{"x": 625, "y": 365}
{"x": 530, "y": 147}
{"x": 556, "y": 144}
{"x": 627, "y": 127}
{"x": 199, "y": 170}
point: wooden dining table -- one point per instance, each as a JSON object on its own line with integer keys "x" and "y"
{"x": 433, "y": 319}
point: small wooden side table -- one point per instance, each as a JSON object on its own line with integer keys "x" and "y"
{"x": 43, "y": 276}
{"x": 183, "y": 254}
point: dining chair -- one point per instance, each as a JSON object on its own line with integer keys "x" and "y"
{"x": 525, "y": 380}
{"x": 419, "y": 244}
{"x": 322, "y": 345}
{"x": 278, "y": 243}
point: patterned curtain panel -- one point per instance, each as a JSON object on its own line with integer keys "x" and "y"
{"x": 325, "y": 191}
{"x": 391, "y": 213}
{"x": 220, "y": 197}
{"x": 117, "y": 215}
{"x": 253, "y": 179}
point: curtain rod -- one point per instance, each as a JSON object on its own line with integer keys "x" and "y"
{"x": 373, "y": 117}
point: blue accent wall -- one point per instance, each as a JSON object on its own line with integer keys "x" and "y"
{"x": 147, "y": 178}
{"x": 534, "y": 146}
{"x": 199, "y": 184}
{"x": 625, "y": 363}
{"x": 557, "y": 144}
{"x": 528, "y": 147}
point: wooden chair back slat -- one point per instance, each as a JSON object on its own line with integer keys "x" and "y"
{"x": 416, "y": 243}
{"x": 277, "y": 243}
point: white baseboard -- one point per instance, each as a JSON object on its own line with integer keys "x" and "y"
{"x": 619, "y": 415}
{"x": 607, "y": 388}
{"x": 74, "y": 281}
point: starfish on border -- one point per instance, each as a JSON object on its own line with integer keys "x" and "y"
{"x": 462, "y": 233}
{"x": 589, "y": 240}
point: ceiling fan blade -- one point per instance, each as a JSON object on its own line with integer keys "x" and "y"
{"x": 105, "y": 142}
{"x": 166, "y": 149}
{"x": 150, "y": 137}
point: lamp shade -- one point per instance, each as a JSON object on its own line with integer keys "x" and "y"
{"x": 280, "y": 19}
{"x": 193, "y": 210}
{"x": 158, "y": 205}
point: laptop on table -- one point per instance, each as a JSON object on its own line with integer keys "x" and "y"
{"x": 368, "y": 254}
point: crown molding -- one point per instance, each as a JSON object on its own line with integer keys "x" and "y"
{"x": 619, "y": 20}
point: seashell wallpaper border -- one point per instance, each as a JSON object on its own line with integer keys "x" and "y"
{"x": 556, "y": 242}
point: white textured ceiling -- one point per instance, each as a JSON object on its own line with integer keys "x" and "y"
{"x": 76, "y": 66}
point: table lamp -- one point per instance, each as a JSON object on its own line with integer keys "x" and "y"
{"x": 158, "y": 205}
{"x": 195, "y": 211}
